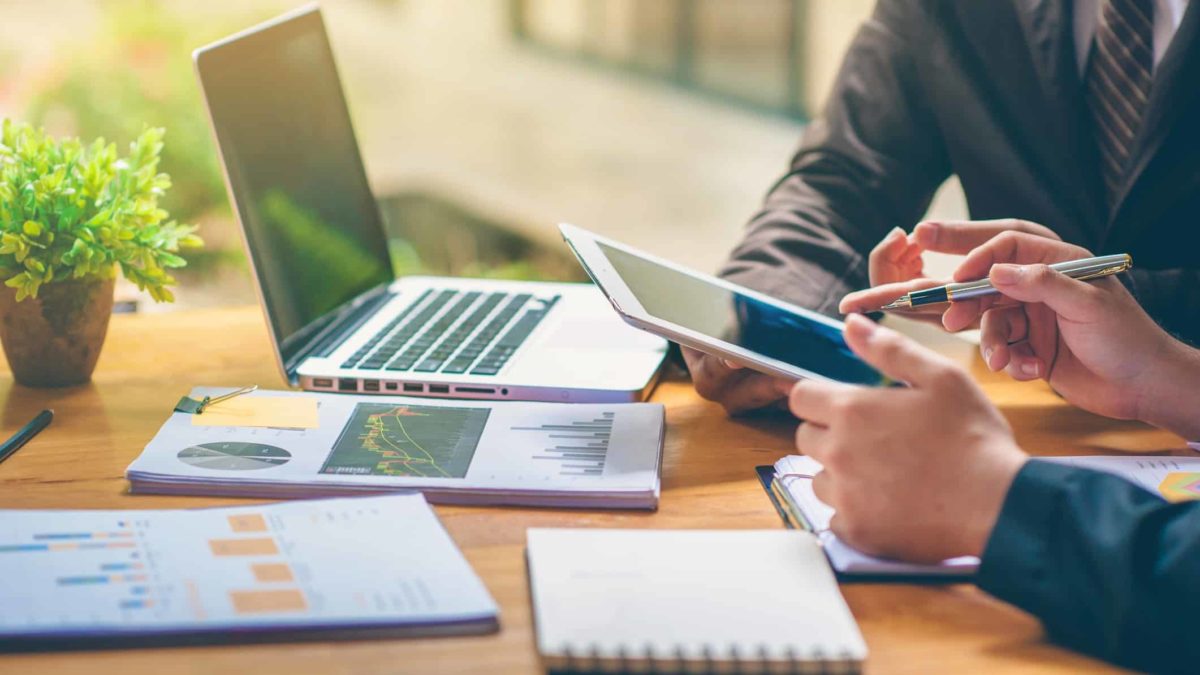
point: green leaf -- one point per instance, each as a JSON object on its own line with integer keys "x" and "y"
{"x": 73, "y": 212}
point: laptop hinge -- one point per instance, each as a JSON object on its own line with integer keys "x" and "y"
{"x": 326, "y": 340}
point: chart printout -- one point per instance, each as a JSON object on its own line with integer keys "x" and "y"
{"x": 334, "y": 562}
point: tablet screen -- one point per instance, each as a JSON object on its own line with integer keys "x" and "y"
{"x": 741, "y": 320}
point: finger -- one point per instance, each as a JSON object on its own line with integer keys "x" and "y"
{"x": 731, "y": 364}
{"x": 884, "y": 256}
{"x": 912, "y": 252}
{"x": 892, "y": 246}
{"x": 706, "y": 370}
{"x": 1018, "y": 248}
{"x": 871, "y": 299}
{"x": 999, "y": 328}
{"x": 893, "y": 354}
{"x": 737, "y": 390}
{"x": 822, "y": 487}
{"x": 750, "y": 390}
{"x": 810, "y": 438}
{"x": 837, "y": 525}
{"x": 812, "y": 400}
{"x": 962, "y": 315}
{"x": 1024, "y": 364}
{"x": 1072, "y": 299}
{"x": 962, "y": 236}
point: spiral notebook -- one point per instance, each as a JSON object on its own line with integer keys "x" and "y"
{"x": 688, "y": 601}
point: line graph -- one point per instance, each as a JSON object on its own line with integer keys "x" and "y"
{"x": 407, "y": 440}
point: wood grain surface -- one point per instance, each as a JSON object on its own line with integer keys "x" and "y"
{"x": 708, "y": 482}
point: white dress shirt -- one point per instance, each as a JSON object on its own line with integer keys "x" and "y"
{"x": 1167, "y": 15}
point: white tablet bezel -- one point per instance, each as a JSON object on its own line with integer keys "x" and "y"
{"x": 584, "y": 244}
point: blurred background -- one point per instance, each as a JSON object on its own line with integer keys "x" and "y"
{"x": 483, "y": 122}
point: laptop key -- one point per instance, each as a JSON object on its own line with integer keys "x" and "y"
{"x": 429, "y": 366}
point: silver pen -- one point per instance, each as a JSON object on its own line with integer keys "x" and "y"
{"x": 1087, "y": 268}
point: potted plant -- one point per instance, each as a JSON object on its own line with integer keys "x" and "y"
{"x": 69, "y": 217}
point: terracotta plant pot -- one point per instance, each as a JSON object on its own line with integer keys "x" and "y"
{"x": 54, "y": 340}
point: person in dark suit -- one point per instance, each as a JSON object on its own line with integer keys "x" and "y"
{"x": 932, "y": 471}
{"x": 1076, "y": 115}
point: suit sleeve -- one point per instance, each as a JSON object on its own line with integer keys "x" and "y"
{"x": 1171, "y": 297}
{"x": 871, "y": 162}
{"x": 1109, "y": 568}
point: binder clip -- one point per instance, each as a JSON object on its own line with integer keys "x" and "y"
{"x": 191, "y": 406}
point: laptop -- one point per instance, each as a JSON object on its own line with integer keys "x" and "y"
{"x": 339, "y": 319}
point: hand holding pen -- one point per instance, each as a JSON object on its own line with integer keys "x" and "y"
{"x": 1084, "y": 270}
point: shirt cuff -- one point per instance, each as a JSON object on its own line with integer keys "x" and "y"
{"x": 1015, "y": 566}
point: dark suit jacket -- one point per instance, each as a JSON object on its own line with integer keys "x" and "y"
{"x": 1109, "y": 568}
{"x": 988, "y": 90}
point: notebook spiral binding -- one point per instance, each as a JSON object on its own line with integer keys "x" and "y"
{"x": 648, "y": 659}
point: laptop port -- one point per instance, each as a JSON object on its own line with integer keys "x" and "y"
{"x": 370, "y": 385}
{"x": 411, "y": 388}
{"x": 390, "y": 386}
{"x": 347, "y": 384}
{"x": 323, "y": 382}
{"x": 475, "y": 390}
{"x": 439, "y": 389}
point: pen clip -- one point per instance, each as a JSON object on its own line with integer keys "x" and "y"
{"x": 1105, "y": 271}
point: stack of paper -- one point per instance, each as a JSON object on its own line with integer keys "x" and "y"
{"x": 1172, "y": 478}
{"x": 289, "y": 444}
{"x": 361, "y": 566}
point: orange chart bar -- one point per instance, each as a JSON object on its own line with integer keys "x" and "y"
{"x": 256, "y": 602}
{"x": 248, "y": 522}
{"x": 270, "y": 572}
{"x": 257, "y": 546}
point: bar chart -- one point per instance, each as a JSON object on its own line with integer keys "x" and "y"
{"x": 579, "y": 447}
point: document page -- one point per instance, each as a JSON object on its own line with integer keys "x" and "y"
{"x": 1172, "y": 478}
{"x": 396, "y": 443}
{"x": 357, "y": 562}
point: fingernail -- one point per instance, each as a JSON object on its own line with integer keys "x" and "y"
{"x": 987, "y": 356}
{"x": 1030, "y": 368}
{"x": 1006, "y": 274}
{"x": 931, "y": 228}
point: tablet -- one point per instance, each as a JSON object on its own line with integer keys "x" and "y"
{"x": 716, "y": 317}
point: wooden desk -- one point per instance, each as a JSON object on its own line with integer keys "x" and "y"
{"x": 708, "y": 482}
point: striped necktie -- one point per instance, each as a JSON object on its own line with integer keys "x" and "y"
{"x": 1119, "y": 77}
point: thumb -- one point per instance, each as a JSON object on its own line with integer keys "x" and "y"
{"x": 893, "y": 354}
{"x": 1069, "y": 298}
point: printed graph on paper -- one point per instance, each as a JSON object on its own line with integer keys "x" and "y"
{"x": 579, "y": 447}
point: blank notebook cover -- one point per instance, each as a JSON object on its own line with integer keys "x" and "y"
{"x": 688, "y": 601}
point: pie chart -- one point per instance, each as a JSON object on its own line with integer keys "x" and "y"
{"x": 234, "y": 456}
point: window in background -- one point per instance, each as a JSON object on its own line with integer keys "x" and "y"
{"x": 748, "y": 51}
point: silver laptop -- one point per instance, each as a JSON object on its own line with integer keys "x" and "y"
{"x": 339, "y": 318}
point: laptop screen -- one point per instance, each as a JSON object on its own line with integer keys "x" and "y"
{"x": 314, "y": 231}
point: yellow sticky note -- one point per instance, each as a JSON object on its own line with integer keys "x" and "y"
{"x": 292, "y": 412}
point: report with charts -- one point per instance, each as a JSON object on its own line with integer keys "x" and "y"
{"x": 789, "y": 483}
{"x": 464, "y": 452}
{"x": 361, "y": 566}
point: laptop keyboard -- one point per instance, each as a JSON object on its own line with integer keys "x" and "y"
{"x": 453, "y": 332}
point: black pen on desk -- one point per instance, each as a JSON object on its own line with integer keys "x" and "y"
{"x": 41, "y": 421}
